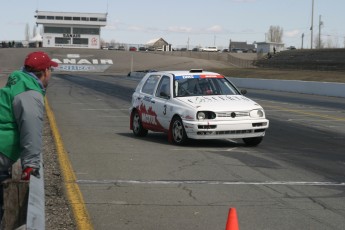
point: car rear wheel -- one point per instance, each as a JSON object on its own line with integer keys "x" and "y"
{"x": 138, "y": 129}
{"x": 252, "y": 141}
{"x": 178, "y": 133}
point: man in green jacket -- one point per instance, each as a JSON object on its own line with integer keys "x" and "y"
{"x": 21, "y": 117}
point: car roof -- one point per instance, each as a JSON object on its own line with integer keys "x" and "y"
{"x": 187, "y": 72}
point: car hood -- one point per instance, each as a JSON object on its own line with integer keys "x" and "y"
{"x": 220, "y": 103}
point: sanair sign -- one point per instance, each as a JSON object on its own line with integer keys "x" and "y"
{"x": 74, "y": 62}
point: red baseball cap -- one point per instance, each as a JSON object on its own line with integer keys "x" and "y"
{"x": 39, "y": 61}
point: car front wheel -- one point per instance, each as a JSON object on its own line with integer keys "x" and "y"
{"x": 252, "y": 141}
{"x": 179, "y": 136}
{"x": 138, "y": 129}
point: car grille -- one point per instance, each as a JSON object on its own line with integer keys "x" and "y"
{"x": 207, "y": 126}
{"x": 233, "y": 132}
{"x": 232, "y": 114}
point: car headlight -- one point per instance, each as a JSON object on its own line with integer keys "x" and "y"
{"x": 202, "y": 115}
{"x": 256, "y": 113}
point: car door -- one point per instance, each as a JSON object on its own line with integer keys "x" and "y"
{"x": 162, "y": 102}
{"x": 146, "y": 107}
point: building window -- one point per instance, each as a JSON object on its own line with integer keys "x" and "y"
{"x": 62, "y": 40}
{"x": 84, "y": 19}
{"x": 50, "y": 17}
{"x": 102, "y": 19}
{"x": 94, "y": 19}
{"x": 41, "y": 17}
{"x": 67, "y": 18}
{"x": 76, "y": 18}
{"x": 93, "y": 31}
{"x": 81, "y": 41}
{"x": 57, "y": 30}
{"x": 58, "y": 17}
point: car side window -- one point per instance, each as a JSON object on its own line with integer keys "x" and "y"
{"x": 150, "y": 84}
{"x": 163, "y": 89}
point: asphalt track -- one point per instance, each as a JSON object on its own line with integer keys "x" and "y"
{"x": 293, "y": 180}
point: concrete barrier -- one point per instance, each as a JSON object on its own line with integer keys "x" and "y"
{"x": 294, "y": 86}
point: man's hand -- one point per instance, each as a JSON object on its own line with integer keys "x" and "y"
{"x": 27, "y": 172}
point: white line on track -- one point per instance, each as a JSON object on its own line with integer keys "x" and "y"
{"x": 112, "y": 116}
{"x": 209, "y": 182}
{"x": 103, "y": 109}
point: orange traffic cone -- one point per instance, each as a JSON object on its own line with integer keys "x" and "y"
{"x": 232, "y": 223}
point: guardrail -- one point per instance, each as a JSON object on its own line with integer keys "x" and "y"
{"x": 24, "y": 203}
{"x": 307, "y": 87}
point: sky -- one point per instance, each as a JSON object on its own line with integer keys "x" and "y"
{"x": 191, "y": 23}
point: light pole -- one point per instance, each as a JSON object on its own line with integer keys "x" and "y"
{"x": 312, "y": 25}
{"x": 320, "y": 24}
{"x": 302, "y": 41}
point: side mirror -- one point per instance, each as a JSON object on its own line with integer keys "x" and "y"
{"x": 243, "y": 91}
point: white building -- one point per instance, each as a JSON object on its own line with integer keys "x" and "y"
{"x": 268, "y": 47}
{"x": 71, "y": 30}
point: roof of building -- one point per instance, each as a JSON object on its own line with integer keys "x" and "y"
{"x": 153, "y": 41}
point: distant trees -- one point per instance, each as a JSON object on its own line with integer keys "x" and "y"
{"x": 275, "y": 34}
{"x": 318, "y": 42}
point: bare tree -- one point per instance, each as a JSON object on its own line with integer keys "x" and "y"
{"x": 318, "y": 42}
{"x": 112, "y": 42}
{"x": 27, "y": 32}
{"x": 275, "y": 34}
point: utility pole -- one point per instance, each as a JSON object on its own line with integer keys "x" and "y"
{"x": 312, "y": 25}
{"x": 320, "y": 24}
{"x": 302, "y": 41}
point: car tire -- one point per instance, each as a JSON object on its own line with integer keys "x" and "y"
{"x": 138, "y": 129}
{"x": 252, "y": 141}
{"x": 178, "y": 133}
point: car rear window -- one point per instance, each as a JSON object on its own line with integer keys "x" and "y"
{"x": 150, "y": 84}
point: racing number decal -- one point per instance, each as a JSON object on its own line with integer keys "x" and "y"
{"x": 165, "y": 110}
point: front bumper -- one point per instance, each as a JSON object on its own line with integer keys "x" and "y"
{"x": 226, "y": 129}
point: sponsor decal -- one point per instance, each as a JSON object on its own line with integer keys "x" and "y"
{"x": 198, "y": 76}
{"x": 83, "y": 61}
{"x": 94, "y": 41}
{"x": 149, "y": 116}
{"x": 76, "y": 68}
{"x": 71, "y": 35}
{"x": 75, "y": 63}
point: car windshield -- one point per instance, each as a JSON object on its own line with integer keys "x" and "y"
{"x": 203, "y": 86}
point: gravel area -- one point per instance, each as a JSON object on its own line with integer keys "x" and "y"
{"x": 58, "y": 212}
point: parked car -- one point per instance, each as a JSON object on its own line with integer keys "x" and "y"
{"x": 132, "y": 48}
{"x": 142, "y": 48}
{"x": 111, "y": 48}
{"x": 209, "y": 49}
{"x": 122, "y": 48}
{"x": 151, "y": 48}
{"x": 195, "y": 105}
{"x": 291, "y": 48}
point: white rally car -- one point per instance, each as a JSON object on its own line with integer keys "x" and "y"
{"x": 195, "y": 105}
